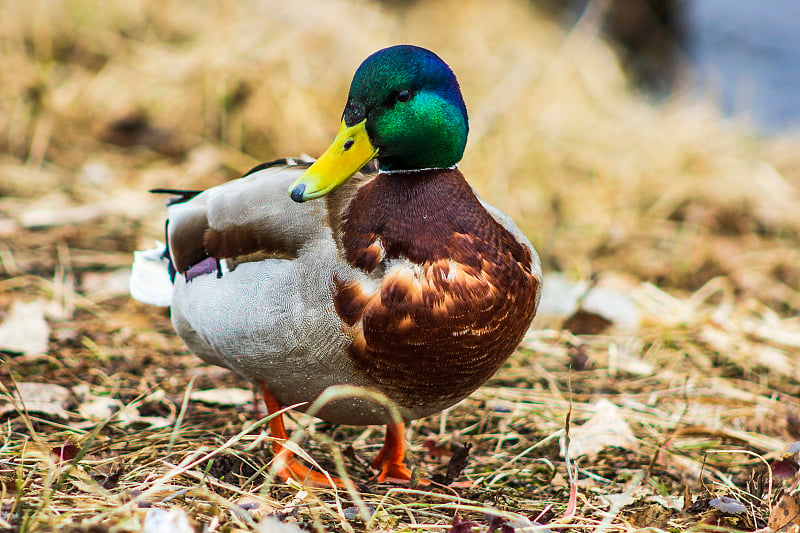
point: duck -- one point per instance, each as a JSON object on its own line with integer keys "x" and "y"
{"x": 375, "y": 266}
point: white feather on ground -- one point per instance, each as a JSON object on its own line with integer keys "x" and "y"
{"x": 150, "y": 281}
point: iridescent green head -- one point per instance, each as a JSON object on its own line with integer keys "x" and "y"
{"x": 405, "y": 108}
{"x": 415, "y": 114}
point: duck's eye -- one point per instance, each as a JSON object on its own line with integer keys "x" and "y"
{"x": 404, "y": 95}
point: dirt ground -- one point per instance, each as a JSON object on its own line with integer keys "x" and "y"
{"x": 667, "y": 352}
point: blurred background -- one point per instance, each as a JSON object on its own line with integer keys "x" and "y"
{"x": 648, "y": 149}
{"x": 743, "y": 56}
{"x": 650, "y": 138}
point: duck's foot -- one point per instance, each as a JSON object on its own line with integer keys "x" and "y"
{"x": 288, "y": 467}
{"x": 389, "y": 460}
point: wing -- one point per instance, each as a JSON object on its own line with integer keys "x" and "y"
{"x": 244, "y": 220}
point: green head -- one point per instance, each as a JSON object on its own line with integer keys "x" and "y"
{"x": 405, "y": 108}
{"x": 415, "y": 114}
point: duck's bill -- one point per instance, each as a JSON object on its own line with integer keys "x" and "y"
{"x": 349, "y": 152}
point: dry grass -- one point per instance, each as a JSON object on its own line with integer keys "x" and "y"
{"x": 694, "y": 217}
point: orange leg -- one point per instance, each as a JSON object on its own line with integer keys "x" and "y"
{"x": 288, "y": 465}
{"x": 390, "y": 459}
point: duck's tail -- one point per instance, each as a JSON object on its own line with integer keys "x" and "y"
{"x": 150, "y": 277}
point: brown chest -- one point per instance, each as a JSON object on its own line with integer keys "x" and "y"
{"x": 432, "y": 334}
{"x": 456, "y": 291}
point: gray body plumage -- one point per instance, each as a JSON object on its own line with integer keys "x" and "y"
{"x": 271, "y": 317}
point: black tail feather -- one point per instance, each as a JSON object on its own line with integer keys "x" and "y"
{"x": 182, "y": 195}
{"x": 277, "y": 162}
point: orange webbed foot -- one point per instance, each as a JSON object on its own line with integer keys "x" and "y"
{"x": 288, "y": 467}
{"x": 389, "y": 460}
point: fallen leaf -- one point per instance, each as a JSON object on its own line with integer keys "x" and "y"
{"x": 728, "y": 505}
{"x": 25, "y": 330}
{"x": 652, "y": 516}
{"x": 227, "y": 397}
{"x": 49, "y": 217}
{"x": 605, "y": 429}
{"x": 112, "y": 480}
{"x": 458, "y": 462}
{"x": 256, "y": 507}
{"x": 618, "y": 500}
{"x": 105, "y": 285}
{"x": 601, "y": 304}
{"x": 784, "y": 469}
{"x": 135, "y": 129}
{"x": 8, "y": 484}
{"x": 41, "y": 398}
{"x": 497, "y": 405}
{"x": 66, "y": 452}
{"x": 461, "y": 526}
{"x": 785, "y": 515}
{"x": 668, "y": 502}
{"x": 270, "y": 524}
{"x": 436, "y": 450}
{"x": 793, "y": 424}
{"x": 583, "y": 322}
{"x": 578, "y": 358}
{"x": 355, "y": 513}
{"x": 173, "y": 520}
{"x": 499, "y": 523}
{"x": 129, "y": 415}
{"x": 99, "y": 408}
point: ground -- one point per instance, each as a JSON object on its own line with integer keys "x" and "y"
{"x": 689, "y": 222}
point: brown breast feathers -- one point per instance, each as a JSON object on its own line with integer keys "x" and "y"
{"x": 457, "y": 292}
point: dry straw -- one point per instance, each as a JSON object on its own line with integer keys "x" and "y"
{"x": 693, "y": 217}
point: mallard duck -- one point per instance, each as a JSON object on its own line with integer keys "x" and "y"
{"x": 394, "y": 277}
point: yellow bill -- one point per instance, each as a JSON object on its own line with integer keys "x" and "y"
{"x": 350, "y": 150}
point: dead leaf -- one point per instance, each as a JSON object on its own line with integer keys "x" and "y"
{"x": 99, "y": 408}
{"x": 256, "y": 507}
{"x": 652, "y": 516}
{"x": 270, "y": 524}
{"x": 104, "y": 285}
{"x": 605, "y": 429}
{"x": 112, "y": 480}
{"x": 618, "y": 500}
{"x": 65, "y": 452}
{"x": 578, "y": 358}
{"x": 793, "y": 424}
{"x": 499, "y": 523}
{"x": 173, "y": 520}
{"x": 583, "y": 322}
{"x": 594, "y": 307}
{"x": 461, "y": 526}
{"x": 25, "y": 329}
{"x": 49, "y": 217}
{"x": 41, "y": 398}
{"x": 135, "y": 129}
{"x": 727, "y": 505}
{"x": 458, "y": 462}
{"x": 8, "y": 484}
{"x": 356, "y": 513}
{"x": 783, "y": 469}
{"x": 785, "y": 515}
{"x": 437, "y": 450}
{"x": 227, "y": 397}
{"x": 129, "y": 415}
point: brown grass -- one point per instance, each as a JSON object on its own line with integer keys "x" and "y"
{"x": 695, "y": 218}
